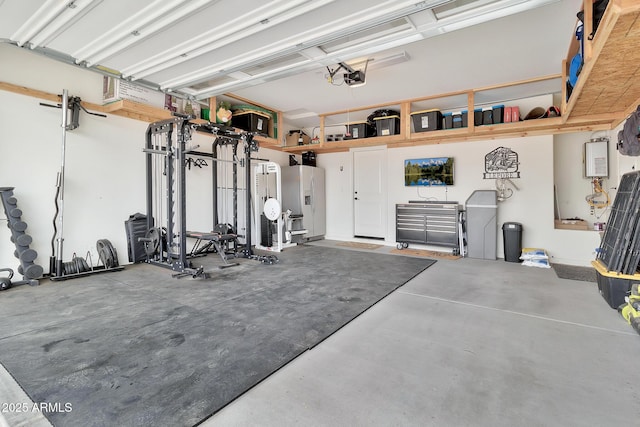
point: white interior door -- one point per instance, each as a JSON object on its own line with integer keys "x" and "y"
{"x": 370, "y": 192}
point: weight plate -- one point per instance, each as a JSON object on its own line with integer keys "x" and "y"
{"x": 104, "y": 254}
{"x": 85, "y": 265}
{"x": 69, "y": 267}
{"x": 15, "y": 212}
{"x": 114, "y": 254}
{"x": 152, "y": 247}
{"x": 272, "y": 209}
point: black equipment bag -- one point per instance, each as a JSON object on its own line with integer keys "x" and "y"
{"x": 629, "y": 136}
{"x": 599, "y": 7}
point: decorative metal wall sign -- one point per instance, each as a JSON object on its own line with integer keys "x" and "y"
{"x": 501, "y": 163}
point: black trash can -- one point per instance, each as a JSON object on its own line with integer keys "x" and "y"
{"x": 512, "y": 233}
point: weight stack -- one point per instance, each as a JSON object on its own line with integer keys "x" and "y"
{"x": 22, "y": 240}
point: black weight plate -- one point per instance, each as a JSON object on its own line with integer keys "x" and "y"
{"x": 104, "y": 254}
{"x": 114, "y": 254}
{"x": 78, "y": 264}
{"x": 85, "y": 265}
{"x": 152, "y": 247}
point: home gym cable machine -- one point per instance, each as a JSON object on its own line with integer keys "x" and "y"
{"x": 226, "y": 137}
{"x": 78, "y": 266}
{"x": 166, "y": 160}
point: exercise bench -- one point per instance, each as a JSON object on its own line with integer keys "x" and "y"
{"x": 205, "y": 241}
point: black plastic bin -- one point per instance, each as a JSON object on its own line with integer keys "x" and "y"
{"x": 512, "y": 233}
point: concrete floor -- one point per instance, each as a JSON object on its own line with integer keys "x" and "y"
{"x": 465, "y": 343}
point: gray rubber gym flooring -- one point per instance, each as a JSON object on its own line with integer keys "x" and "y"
{"x": 140, "y": 348}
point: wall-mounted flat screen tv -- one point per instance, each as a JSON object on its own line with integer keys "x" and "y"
{"x": 433, "y": 171}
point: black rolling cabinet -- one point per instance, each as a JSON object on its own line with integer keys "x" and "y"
{"x": 428, "y": 223}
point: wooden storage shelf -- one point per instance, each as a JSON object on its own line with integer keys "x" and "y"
{"x": 609, "y": 82}
{"x": 134, "y": 110}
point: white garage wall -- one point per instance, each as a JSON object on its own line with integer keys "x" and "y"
{"x": 105, "y": 167}
{"x": 532, "y": 205}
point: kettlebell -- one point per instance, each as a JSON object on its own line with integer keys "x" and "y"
{"x": 5, "y": 282}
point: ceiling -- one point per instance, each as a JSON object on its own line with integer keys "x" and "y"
{"x": 292, "y": 54}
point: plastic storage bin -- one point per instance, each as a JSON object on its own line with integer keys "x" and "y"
{"x": 497, "y": 114}
{"x": 427, "y": 120}
{"x": 460, "y": 119}
{"x": 512, "y": 234}
{"x": 613, "y": 286}
{"x": 447, "y": 120}
{"x": 360, "y": 130}
{"x": 251, "y": 121}
{"x": 387, "y": 125}
{"x": 477, "y": 117}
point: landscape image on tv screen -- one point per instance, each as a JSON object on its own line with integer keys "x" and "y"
{"x": 434, "y": 171}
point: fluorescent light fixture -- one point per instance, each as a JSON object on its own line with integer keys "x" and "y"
{"x": 314, "y": 53}
{"x": 382, "y": 62}
{"x": 237, "y": 29}
{"x": 364, "y": 19}
{"x": 305, "y": 65}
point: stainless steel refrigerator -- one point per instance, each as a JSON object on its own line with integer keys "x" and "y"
{"x": 303, "y": 191}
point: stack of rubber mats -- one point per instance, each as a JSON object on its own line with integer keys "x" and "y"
{"x": 631, "y": 309}
{"x": 619, "y": 253}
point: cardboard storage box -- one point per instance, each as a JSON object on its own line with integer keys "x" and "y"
{"x": 387, "y": 125}
{"x": 251, "y": 121}
{"x": 116, "y": 90}
{"x": 296, "y": 137}
{"x": 427, "y": 120}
